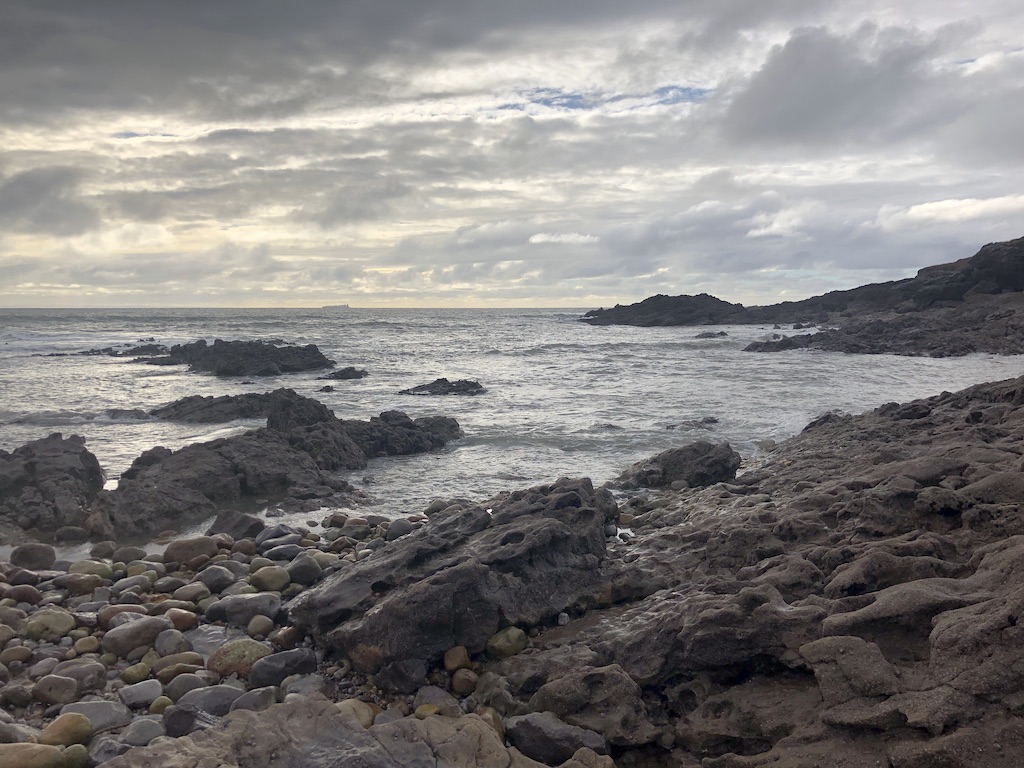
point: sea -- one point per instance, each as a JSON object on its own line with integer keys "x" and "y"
{"x": 562, "y": 399}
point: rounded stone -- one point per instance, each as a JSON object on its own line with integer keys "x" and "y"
{"x": 464, "y": 681}
{"x": 360, "y": 710}
{"x": 171, "y": 641}
{"x": 136, "y": 673}
{"x": 272, "y": 578}
{"x": 182, "y": 620}
{"x": 185, "y": 550}
{"x": 76, "y": 756}
{"x": 507, "y": 642}
{"x": 127, "y": 554}
{"x": 133, "y": 635}
{"x": 33, "y": 556}
{"x": 67, "y": 729}
{"x": 89, "y": 644}
{"x": 160, "y": 703}
{"x": 457, "y": 658}
{"x": 55, "y": 689}
{"x": 49, "y": 623}
{"x": 423, "y": 711}
{"x": 16, "y": 653}
{"x": 237, "y": 657}
{"x": 140, "y": 695}
{"x": 217, "y": 578}
{"x": 141, "y": 732}
{"x": 31, "y": 756}
{"x": 260, "y": 626}
{"x": 101, "y": 569}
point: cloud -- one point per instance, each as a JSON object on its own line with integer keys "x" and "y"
{"x": 526, "y": 152}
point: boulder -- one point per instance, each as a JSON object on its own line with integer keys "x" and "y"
{"x": 49, "y": 483}
{"x": 698, "y": 464}
{"x": 518, "y": 560}
{"x": 245, "y": 358}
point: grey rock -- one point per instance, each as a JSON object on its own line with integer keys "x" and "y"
{"x": 33, "y": 556}
{"x": 182, "y": 720}
{"x": 257, "y": 699}
{"x": 216, "y": 578}
{"x": 134, "y": 633}
{"x": 141, "y": 694}
{"x": 273, "y": 669}
{"x": 545, "y": 738}
{"x": 170, "y": 642}
{"x": 102, "y": 714}
{"x": 215, "y": 700}
{"x": 54, "y": 689}
{"x": 182, "y": 684}
{"x": 239, "y": 609}
{"x": 142, "y": 731}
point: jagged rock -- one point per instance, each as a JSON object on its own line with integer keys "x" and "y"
{"x": 344, "y": 374}
{"x": 459, "y": 580}
{"x": 698, "y": 464}
{"x": 201, "y": 409}
{"x": 445, "y": 387}
{"x": 543, "y": 737}
{"x": 49, "y": 483}
{"x": 245, "y": 358}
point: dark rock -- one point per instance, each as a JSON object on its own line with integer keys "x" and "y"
{"x": 698, "y": 464}
{"x": 273, "y": 669}
{"x": 238, "y": 525}
{"x": 445, "y": 387}
{"x": 543, "y": 737}
{"x": 344, "y": 374}
{"x": 246, "y": 358}
{"x": 711, "y": 335}
{"x": 49, "y": 483}
{"x": 181, "y": 720}
{"x": 33, "y": 556}
{"x": 457, "y": 581}
{"x": 214, "y": 410}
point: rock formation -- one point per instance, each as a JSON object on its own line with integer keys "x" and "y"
{"x": 244, "y": 358}
{"x": 972, "y": 305}
{"x": 445, "y": 387}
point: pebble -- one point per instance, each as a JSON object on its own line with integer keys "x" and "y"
{"x": 67, "y": 729}
{"x": 140, "y": 695}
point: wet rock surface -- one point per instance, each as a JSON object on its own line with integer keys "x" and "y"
{"x": 445, "y": 387}
{"x": 244, "y": 358}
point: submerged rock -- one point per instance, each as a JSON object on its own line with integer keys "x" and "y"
{"x": 445, "y": 387}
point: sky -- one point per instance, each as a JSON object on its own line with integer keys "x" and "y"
{"x": 547, "y": 153}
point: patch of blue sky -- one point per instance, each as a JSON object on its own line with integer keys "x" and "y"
{"x": 135, "y": 135}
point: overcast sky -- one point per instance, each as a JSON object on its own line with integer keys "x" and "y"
{"x": 523, "y": 153}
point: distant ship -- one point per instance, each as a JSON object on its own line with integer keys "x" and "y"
{"x": 336, "y": 306}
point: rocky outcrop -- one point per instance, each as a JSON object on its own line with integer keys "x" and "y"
{"x": 344, "y": 374}
{"x": 518, "y": 560}
{"x": 244, "y": 358}
{"x": 972, "y": 305}
{"x": 696, "y": 465}
{"x": 445, "y": 387}
{"x": 48, "y": 483}
{"x": 199, "y": 409}
{"x": 292, "y": 458}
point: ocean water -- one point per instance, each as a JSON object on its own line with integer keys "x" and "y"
{"x": 563, "y": 398}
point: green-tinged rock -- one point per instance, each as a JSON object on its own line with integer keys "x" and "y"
{"x": 6, "y": 634}
{"x": 160, "y": 703}
{"x": 507, "y": 642}
{"x": 69, "y": 728}
{"x": 103, "y": 570}
{"x": 273, "y": 578}
{"x": 49, "y": 623}
{"x": 423, "y": 711}
{"x": 76, "y": 756}
{"x": 136, "y": 673}
{"x": 237, "y": 657}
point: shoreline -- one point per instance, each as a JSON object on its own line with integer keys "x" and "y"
{"x": 848, "y": 579}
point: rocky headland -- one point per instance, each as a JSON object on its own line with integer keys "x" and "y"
{"x": 854, "y": 599}
{"x": 975, "y": 304}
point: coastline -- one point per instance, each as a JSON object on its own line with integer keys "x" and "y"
{"x": 845, "y": 602}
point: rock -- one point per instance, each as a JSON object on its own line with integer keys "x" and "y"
{"x": 343, "y": 374}
{"x": 698, "y": 465}
{"x": 360, "y": 711}
{"x": 442, "y": 702}
{"x": 31, "y": 756}
{"x": 54, "y": 689}
{"x": 183, "y": 550}
{"x": 142, "y": 731}
{"x": 272, "y": 669}
{"x": 217, "y": 578}
{"x": 239, "y": 525}
{"x": 601, "y": 699}
{"x": 199, "y": 409}
{"x": 257, "y": 699}
{"x": 49, "y": 624}
{"x": 532, "y": 555}
{"x": 304, "y": 570}
{"x": 34, "y": 556}
{"x": 182, "y": 684}
{"x": 101, "y": 714}
{"x": 259, "y": 626}
{"x": 47, "y": 484}
{"x": 464, "y": 681}
{"x": 457, "y": 658}
{"x": 140, "y": 695}
{"x": 240, "y": 609}
{"x": 237, "y": 657}
{"x": 398, "y": 528}
{"x": 507, "y": 642}
{"x": 215, "y": 700}
{"x": 445, "y": 387}
{"x": 246, "y": 358}
{"x": 273, "y": 578}
{"x": 88, "y": 673}
{"x": 67, "y": 729}
{"x": 183, "y": 720}
{"x": 137, "y": 633}
{"x": 543, "y": 737}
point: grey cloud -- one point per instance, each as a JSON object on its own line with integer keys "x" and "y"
{"x": 46, "y": 200}
{"x": 823, "y": 88}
